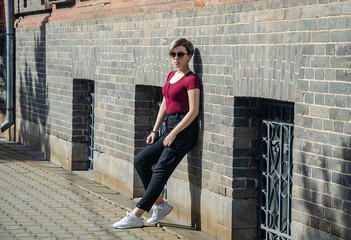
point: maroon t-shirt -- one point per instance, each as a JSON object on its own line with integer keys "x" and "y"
{"x": 176, "y": 94}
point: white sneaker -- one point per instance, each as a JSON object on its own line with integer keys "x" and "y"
{"x": 159, "y": 212}
{"x": 130, "y": 221}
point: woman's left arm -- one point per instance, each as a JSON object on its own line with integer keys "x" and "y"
{"x": 194, "y": 108}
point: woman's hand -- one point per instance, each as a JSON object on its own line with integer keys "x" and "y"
{"x": 151, "y": 138}
{"x": 169, "y": 139}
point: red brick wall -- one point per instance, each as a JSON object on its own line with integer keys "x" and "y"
{"x": 109, "y": 8}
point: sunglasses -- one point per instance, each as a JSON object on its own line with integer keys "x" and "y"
{"x": 179, "y": 54}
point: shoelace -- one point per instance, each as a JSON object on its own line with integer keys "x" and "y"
{"x": 129, "y": 215}
{"x": 154, "y": 211}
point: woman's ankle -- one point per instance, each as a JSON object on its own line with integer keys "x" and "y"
{"x": 138, "y": 212}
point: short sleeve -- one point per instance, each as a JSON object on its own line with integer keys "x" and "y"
{"x": 193, "y": 82}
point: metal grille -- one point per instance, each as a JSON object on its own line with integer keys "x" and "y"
{"x": 91, "y": 127}
{"x": 275, "y": 178}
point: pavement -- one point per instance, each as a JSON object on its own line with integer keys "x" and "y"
{"x": 40, "y": 200}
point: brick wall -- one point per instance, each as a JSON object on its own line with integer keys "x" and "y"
{"x": 31, "y": 85}
{"x": 296, "y": 51}
{"x": 2, "y": 54}
{"x": 322, "y": 134}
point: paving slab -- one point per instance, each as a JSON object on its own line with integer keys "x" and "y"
{"x": 40, "y": 200}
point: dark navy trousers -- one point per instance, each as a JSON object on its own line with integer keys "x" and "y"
{"x": 164, "y": 159}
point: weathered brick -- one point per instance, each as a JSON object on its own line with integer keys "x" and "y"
{"x": 339, "y": 114}
{"x": 344, "y": 75}
{"x": 340, "y": 101}
{"x": 346, "y": 8}
{"x": 341, "y": 62}
{"x": 320, "y": 62}
{"x": 338, "y": 126}
{"x": 321, "y": 87}
{"x": 320, "y": 37}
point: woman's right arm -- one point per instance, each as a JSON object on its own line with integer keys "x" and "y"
{"x": 160, "y": 117}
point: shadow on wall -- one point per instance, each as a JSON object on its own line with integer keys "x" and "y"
{"x": 329, "y": 205}
{"x": 32, "y": 95}
{"x": 195, "y": 156}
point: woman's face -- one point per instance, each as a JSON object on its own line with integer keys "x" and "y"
{"x": 180, "y": 57}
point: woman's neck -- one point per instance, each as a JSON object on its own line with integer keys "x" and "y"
{"x": 184, "y": 70}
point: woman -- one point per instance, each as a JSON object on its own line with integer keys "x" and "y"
{"x": 179, "y": 109}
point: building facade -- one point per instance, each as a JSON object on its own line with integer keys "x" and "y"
{"x": 274, "y": 153}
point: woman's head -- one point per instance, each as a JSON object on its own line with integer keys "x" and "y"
{"x": 182, "y": 42}
{"x": 181, "y": 51}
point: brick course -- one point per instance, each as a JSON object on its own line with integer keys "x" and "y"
{"x": 296, "y": 51}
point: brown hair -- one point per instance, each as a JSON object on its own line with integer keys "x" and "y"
{"x": 182, "y": 42}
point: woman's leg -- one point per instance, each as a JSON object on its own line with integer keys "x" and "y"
{"x": 169, "y": 160}
{"x": 148, "y": 157}
{"x": 138, "y": 211}
{"x": 143, "y": 164}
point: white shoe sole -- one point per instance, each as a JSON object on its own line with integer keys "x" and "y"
{"x": 129, "y": 227}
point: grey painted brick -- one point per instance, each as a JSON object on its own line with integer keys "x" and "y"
{"x": 340, "y": 88}
{"x": 309, "y": 98}
{"x": 321, "y": 87}
{"x": 319, "y": 111}
{"x": 313, "y": 12}
{"x": 339, "y": 114}
{"x": 317, "y": 124}
{"x": 317, "y": 136}
{"x": 320, "y": 62}
{"x": 336, "y": 203}
{"x": 302, "y": 85}
{"x": 344, "y": 75}
{"x": 346, "y": 8}
{"x": 320, "y": 36}
{"x": 308, "y": 49}
{"x": 341, "y": 49}
{"x": 341, "y": 62}
{"x": 348, "y": 101}
{"x": 334, "y": 9}
{"x": 330, "y": 100}
{"x": 320, "y": 49}
{"x": 301, "y": 109}
{"x": 347, "y": 183}
{"x": 347, "y": 128}
{"x": 332, "y": 23}
{"x": 321, "y": 24}
{"x": 338, "y": 126}
{"x": 342, "y": 22}
{"x": 319, "y": 74}
{"x": 340, "y": 101}
{"x": 341, "y": 36}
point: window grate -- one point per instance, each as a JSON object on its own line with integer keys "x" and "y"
{"x": 275, "y": 177}
{"x": 91, "y": 127}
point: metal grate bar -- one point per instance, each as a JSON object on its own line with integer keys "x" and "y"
{"x": 91, "y": 127}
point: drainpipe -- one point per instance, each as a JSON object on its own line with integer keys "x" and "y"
{"x": 9, "y": 66}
